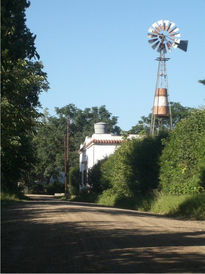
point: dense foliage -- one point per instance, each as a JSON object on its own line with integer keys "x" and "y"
{"x": 178, "y": 112}
{"x": 74, "y": 181}
{"x": 99, "y": 176}
{"x": 164, "y": 174}
{"x": 49, "y": 141}
{"x": 183, "y": 158}
{"x": 132, "y": 170}
{"x": 22, "y": 82}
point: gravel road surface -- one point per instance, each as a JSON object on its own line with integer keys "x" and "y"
{"x": 46, "y": 235}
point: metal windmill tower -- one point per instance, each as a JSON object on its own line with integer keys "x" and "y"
{"x": 163, "y": 36}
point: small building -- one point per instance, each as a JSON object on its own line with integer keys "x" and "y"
{"x": 98, "y": 147}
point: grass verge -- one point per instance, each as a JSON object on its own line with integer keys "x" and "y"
{"x": 184, "y": 206}
{"x": 7, "y": 198}
{"x": 192, "y": 207}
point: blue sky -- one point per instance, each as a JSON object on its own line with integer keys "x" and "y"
{"x": 95, "y": 53}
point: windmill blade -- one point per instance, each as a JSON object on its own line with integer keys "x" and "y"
{"x": 152, "y": 40}
{"x": 166, "y": 23}
{"x": 175, "y": 29}
{"x": 175, "y": 35}
{"x": 160, "y": 23}
{"x": 149, "y": 35}
{"x": 177, "y": 41}
{"x": 155, "y": 45}
{"x": 156, "y": 26}
{"x": 152, "y": 30}
{"x": 169, "y": 45}
{"x": 164, "y": 26}
{"x": 183, "y": 44}
{"x": 174, "y": 45}
{"x": 171, "y": 26}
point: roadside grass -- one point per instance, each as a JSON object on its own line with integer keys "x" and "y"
{"x": 7, "y": 198}
{"x": 166, "y": 204}
{"x": 182, "y": 206}
{"x": 189, "y": 206}
{"x": 84, "y": 197}
{"x": 108, "y": 198}
{"x": 139, "y": 202}
{"x": 192, "y": 207}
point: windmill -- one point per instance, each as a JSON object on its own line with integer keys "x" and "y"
{"x": 163, "y": 36}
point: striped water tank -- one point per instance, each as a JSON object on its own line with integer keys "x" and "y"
{"x": 161, "y": 106}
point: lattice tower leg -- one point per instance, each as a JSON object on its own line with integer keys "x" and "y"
{"x": 161, "y": 82}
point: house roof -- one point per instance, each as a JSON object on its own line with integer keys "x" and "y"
{"x": 101, "y": 141}
{"x": 105, "y": 139}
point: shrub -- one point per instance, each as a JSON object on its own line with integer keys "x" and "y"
{"x": 55, "y": 187}
{"x": 132, "y": 170}
{"x": 84, "y": 196}
{"x": 36, "y": 188}
{"x": 183, "y": 158}
{"x": 74, "y": 181}
{"x": 108, "y": 197}
{"x": 97, "y": 183}
{"x": 137, "y": 165}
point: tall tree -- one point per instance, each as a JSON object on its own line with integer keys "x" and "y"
{"x": 22, "y": 82}
{"x": 178, "y": 112}
{"x": 50, "y": 137}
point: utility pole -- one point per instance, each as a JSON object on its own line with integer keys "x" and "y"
{"x": 66, "y": 154}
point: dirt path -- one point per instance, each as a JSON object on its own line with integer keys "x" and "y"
{"x": 51, "y": 236}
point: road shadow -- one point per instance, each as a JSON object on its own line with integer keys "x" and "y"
{"x": 30, "y": 245}
{"x": 51, "y": 200}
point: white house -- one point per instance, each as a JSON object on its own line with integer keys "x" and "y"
{"x": 98, "y": 147}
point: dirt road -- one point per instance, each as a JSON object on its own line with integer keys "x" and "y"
{"x": 51, "y": 236}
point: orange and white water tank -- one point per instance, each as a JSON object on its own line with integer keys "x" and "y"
{"x": 161, "y": 105}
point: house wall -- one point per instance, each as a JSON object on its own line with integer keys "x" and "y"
{"x": 102, "y": 151}
{"x": 90, "y": 156}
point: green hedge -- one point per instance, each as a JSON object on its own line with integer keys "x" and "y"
{"x": 74, "y": 181}
{"x": 183, "y": 158}
{"x": 52, "y": 188}
{"x": 131, "y": 171}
